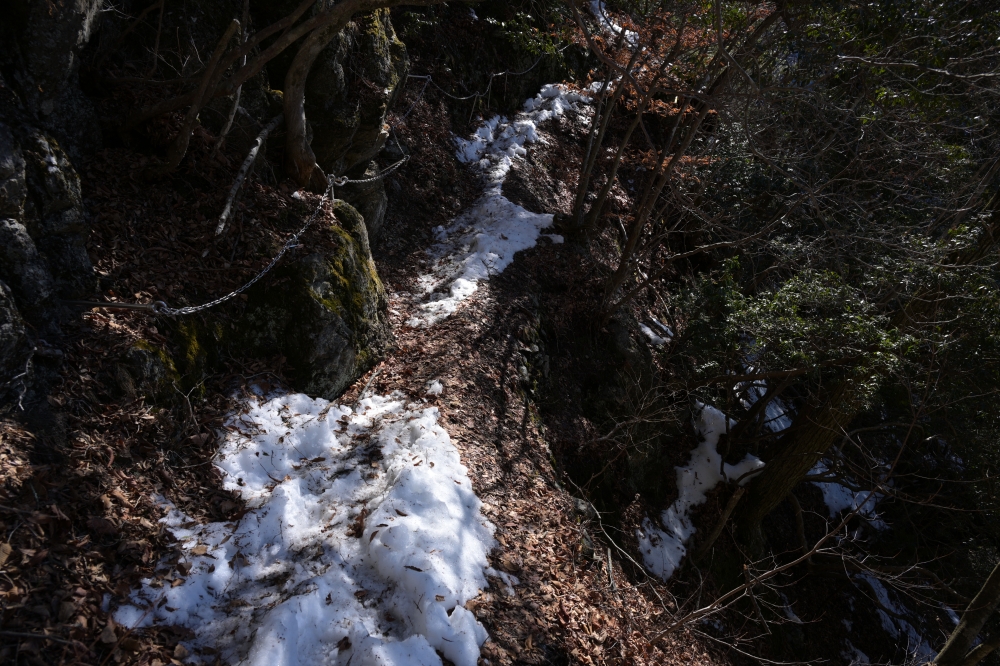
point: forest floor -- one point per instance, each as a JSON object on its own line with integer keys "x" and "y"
{"x": 85, "y": 475}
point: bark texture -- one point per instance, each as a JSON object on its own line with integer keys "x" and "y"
{"x": 957, "y": 652}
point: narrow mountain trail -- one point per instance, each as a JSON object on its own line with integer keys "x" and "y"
{"x": 419, "y": 517}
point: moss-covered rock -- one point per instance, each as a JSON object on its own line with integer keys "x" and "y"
{"x": 349, "y": 90}
{"x": 325, "y": 313}
{"x": 147, "y": 370}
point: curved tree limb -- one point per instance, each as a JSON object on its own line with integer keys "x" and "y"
{"x": 178, "y": 148}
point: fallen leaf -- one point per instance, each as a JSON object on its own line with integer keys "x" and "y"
{"x": 200, "y": 549}
{"x": 108, "y": 634}
{"x": 66, "y": 610}
{"x": 180, "y": 652}
{"x": 344, "y": 644}
{"x": 102, "y": 525}
{"x": 5, "y": 551}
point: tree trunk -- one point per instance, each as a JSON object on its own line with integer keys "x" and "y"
{"x": 300, "y": 160}
{"x": 956, "y": 652}
{"x": 813, "y": 432}
{"x": 816, "y": 428}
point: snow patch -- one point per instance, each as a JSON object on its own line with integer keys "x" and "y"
{"x": 663, "y": 550}
{"x": 839, "y": 498}
{"x": 363, "y": 542}
{"x": 484, "y": 238}
{"x": 897, "y": 627}
{"x": 654, "y": 339}
{"x": 435, "y": 387}
{"x": 600, "y": 12}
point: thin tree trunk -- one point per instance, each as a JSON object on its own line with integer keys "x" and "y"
{"x": 178, "y": 147}
{"x": 300, "y": 160}
{"x": 813, "y": 432}
{"x": 957, "y": 651}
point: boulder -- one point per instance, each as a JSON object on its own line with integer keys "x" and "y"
{"x": 22, "y": 268}
{"x": 148, "y": 371}
{"x": 326, "y": 314}
{"x": 13, "y": 189}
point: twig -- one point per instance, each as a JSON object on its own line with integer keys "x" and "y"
{"x": 244, "y": 170}
{"x": 179, "y": 146}
{"x": 156, "y": 43}
{"x": 611, "y": 574}
{"x": 239, "y": 89}
{"x": 753, "y": 581}
{"x": 367, "y": 384}
{"x": 723, "y": 519}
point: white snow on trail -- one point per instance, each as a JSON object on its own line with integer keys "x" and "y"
{"x": 362, "y": 543}
{"x": 662, "y": 551}
{"x": 483, "y": 240}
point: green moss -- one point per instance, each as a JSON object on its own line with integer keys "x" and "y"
{"x": 190, "y": 347}
{"x": 349, "y": 295}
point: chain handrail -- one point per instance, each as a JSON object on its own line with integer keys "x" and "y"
{"x": 161, "y": 308}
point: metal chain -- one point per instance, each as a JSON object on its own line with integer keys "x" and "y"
{"x": 161, "y": 308}
{"x": 344, "y": 180}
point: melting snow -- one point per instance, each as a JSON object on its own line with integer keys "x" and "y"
{"x": 362, "y": 543}
{"x": 916, "y": 645}
{"x": 662, "y": 551}
{"x": 838, "y": 498}
{"x": 654, "y": 339}
{"x": 600, "y": 12}
{"x": 484, "y": 239}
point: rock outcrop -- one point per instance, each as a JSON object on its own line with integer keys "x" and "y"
{"x": 350, "y": 89}
{"x": 326, "y": 314}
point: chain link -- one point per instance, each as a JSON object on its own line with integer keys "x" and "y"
{"x": 344, "y": 180}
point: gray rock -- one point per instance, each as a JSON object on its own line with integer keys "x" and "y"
{"x": 22, "y": 268}
{"x": 13, "y": 189}
{"x": 347, "y": 117}
{"x": 14, "y": 346}
{"x": 370, "y": 199}
{"x": 54, "y": 215}
{"x": 347, "y": 112}
{"x": 50, "y": 37}
{"x": 147, "y": 371}
{"x": 325, "y": 314}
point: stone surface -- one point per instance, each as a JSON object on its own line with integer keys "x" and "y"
{"x": 14, "y": 347}
{"x": 23, "y": 270}
{"x": 13, "y": 189}
{"x": 349, "y": 90}
{"x": 49, "y": 37}
{"x": 147, "y": 371}
{"x": 55, "y": 216}
{"x": 370, "y": 199}
{"x": 324, "y": 314}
